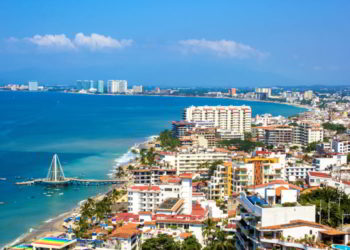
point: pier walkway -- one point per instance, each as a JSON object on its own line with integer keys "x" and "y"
{"x": 55, "y": 177}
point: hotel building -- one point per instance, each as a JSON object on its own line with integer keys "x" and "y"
{"x": 232, "y": 118}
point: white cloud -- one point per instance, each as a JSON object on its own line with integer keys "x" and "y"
{"x": 57, "y": 41}
{"x": 220, "y": 47}
{"x": 96, "y": 41}
{"x": 92, "y": 42}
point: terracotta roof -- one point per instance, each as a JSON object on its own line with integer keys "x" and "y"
{"x": 198, "y": 210}
{"x": 126, "y": 217}
{"x": 279, "y": 189}
{"x": 185, "y": 235}
{"x": 145, "y": 212}
{"x": 231, "y": 226}
{"x": 333, "y": 232}
{"x": 319, "y": 174}
{"x": 145, "y": 188}
{"x": 125, "y": 232}
{"x": 150, "y": 223}
{"x": 276, "y": 182}
{"x": 231, "y": 213}
{"x": 186, "y": 176}
{"x": 296, "y": 223}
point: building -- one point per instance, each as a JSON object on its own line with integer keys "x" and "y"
{"x": 100, "y": 86}
{"x": 325, "y": 163}
{"x": 296, "y": 171}
{"x": 51, "y": 243}
{"x": 137, "y": 89}
{"x": 191, "y": 160}
{"x": 128, "y": 236}
{"x": 233, "y": 92}
{"x": 341, "y": 146}
{"x": 117, "y": 86}
{"x": 33, "y": 86}
{"x": 150, "y": 175}
{"x": 307, "y": 132}
{"x": 147, "y": 198}
{"x": 180, "y": 128}
{"x": 308, "y": 95}
{"x": 266, "y": 223}
{"x": 316, "y": 179}
{"x": 232, "y": 118}
{"x": 274, "y": 134}
{"x": 220, "y": 184}
{"x": 262, "y": 93}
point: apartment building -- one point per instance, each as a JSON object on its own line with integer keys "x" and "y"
{"x": 147, "y": 175}
{"x": 258, "y": 170}
{"x": 220, "y": 185}
{"x": 274, "y": 134}
{"x": 117, "y": 86}
{"x": 266, "y": 223}
{"x": 190, "y": 160}
{"x": 148, "y": 198}
{"x": 341, "y": 145}
{"x": 297, "y": 171}
{"x": 232, "y": 118}
{"x": 307, "y": 132}
{"x": 325, "y": 163}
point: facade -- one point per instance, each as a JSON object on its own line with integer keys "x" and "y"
{"x": 150, "y": 175}
{"x": 232, "y": 118}
{"x": 100, "y": 86}
{"x": 274, "y": 134}
{"x": 297, "y": 171}
{"x": 261, "y": 219}
{"x": 191, "y": 160}
{"x": 148, "y": 198}
{"x": 322, "y": 164}
{"x": 137, "y": 89}
{"x": 307, "y": 132}
{"x": 341, "y": 146}
{"x": 220, "y": 185}
{"x": 181, "y": 128}
{"x": 117, "y": 86}
{"x": 33, "y": 86}
{"x": 308, "y": 95}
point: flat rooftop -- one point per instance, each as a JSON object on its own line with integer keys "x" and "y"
{"x": 169, "y": 203}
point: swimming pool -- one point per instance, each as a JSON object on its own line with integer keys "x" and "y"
{"x": 342, "y": 247}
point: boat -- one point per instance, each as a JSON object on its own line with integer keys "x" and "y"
{"x": 2, "y": 203}
{"x": 3, "y": 179}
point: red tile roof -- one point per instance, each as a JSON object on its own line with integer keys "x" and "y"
{"x": 127, "y": 217}
{"x": 281, "y": 182}
{"x": 145, "y": 188}
{"x": 319, "y": 174}
{"x": 186, "y": 176}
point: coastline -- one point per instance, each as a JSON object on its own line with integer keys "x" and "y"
{"x": 54, "y": 225}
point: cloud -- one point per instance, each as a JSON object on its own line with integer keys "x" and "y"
{"x": 226, "y": 48}
{"x": 93, "y": 42}
{"x": 57, "y": 41}
{"x": 96, "y": 41}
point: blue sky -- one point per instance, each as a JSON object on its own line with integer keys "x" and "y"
{"x": 176, "y": 43}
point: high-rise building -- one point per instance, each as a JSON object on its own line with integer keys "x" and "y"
{"x": 117, "y": 86}
{"x": 79, "y": 84}
{"x": 232, "y": 118}
{"x": 100, "y": 86}
{"x": 86, "y": 84}
{"x": 307, "y": 132}
{"x": 233, "y": 91}
{"x": 33, "y": 86}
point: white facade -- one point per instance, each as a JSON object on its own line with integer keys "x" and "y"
{"x": 117, "y": 86}
{"x": 33, "y": 86}
{"x": 232, "y": 118}
{"x": 322, "y": 164}
{"x": 296, "y": 171}
{"x": 307, "y": 132}
{"x": 137, "y": 89}
{"x": 186, "y": 162}
{"x": 341, "y": 146}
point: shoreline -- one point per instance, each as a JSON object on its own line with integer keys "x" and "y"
{"x": 52, "y": 225}
{"x": 55, "y": 224}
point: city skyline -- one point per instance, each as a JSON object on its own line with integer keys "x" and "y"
{"x": 219, "y": 44}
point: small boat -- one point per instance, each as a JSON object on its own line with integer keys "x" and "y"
{"x": 3, "y": 179}
{"x": 2, "y": 203}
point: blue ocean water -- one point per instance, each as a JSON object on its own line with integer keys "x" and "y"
{"x": 89, "y": 133}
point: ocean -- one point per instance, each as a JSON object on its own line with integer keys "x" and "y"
{"x": 90, "y": 133}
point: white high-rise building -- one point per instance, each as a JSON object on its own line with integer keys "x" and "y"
{"x": 117, "y": 86}
{"x": 231, "y": 118}
{"x": 137, "y": 89}
{"x": 33, "y": 86}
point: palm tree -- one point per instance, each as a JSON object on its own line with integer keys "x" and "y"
{"x": 209, "y": 229}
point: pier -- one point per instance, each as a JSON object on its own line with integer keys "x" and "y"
{"x": 55, "y": 177}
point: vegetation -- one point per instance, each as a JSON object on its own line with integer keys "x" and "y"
{"x": 311, "y": 147}
{"x": 167, "y": 141}
{"x": 334, "y": 127}
{"x": 247, "y": 146}
{"x": 327, "y": 200}
{"x": 348, "y": 158}
{"x": 211, "y": 166}
{"x": 148, "y": 157}
{"x": 215, "y": 238}
{"x": 165, "y": 242}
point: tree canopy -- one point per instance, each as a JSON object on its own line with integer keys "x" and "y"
{"x": 245, "y": 145}
{"x": 168, "y": 141}
{"x": 334, "y": 127}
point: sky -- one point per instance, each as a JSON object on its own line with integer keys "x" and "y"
{"x": 176, "y": 43}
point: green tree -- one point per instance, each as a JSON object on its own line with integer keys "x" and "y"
{"x": 247, "y": 146}
{"x": 191, "y": 243}
{"x": 161, "y": 242}
{"x": 168, "y": 141}
{"x": 334, "y": 127}
{"x": 148, "y": 157}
